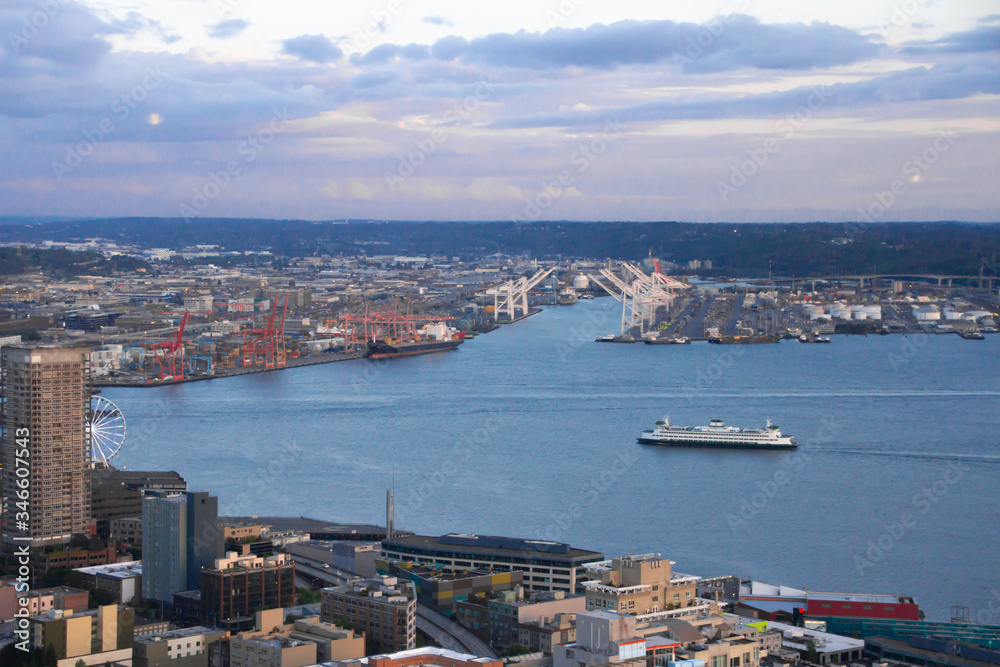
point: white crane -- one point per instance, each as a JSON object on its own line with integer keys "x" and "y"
{"x": 640, "y": 294}
{"x": 514, "y": 294}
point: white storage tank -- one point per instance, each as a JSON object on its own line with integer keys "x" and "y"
{"x": 874, "y": 312}
{"x": 927, "y": 314}
{"x": 840, "y": 311}
{"x": 581, "y": 282}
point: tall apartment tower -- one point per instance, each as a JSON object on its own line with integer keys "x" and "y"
{"x": 180, "y": 538}
{"x": 45, "y": 401}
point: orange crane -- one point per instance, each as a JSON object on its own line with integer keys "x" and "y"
{"x": 165, "y": 353}
{"x": 266, "y": 347}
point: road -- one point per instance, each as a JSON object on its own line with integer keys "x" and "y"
{"x": 451, "y": 635}
{"x": 442, "y": 630}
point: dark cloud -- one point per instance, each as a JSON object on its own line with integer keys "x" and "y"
{"x": 992, "y": 18}
{"x": 227, "y": 29}
{"x": 135, "y": 23}
{"x": 979, "y": 40}
{"x": 919, "y": 84}
{"x": 723, "y": 44}
{"x": 67, "y": 35}
{"x": 373, "y": 79}
{"x": 438, "y": 20}
{"x": 387, "y": 52}
{"x": 316, "y": 48}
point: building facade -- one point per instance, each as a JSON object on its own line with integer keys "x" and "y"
{"x": 45, "y": 406}
{"x": 96, "y": 636}
{"x": 640, "y": 585}
{"x": 547, "y": 566}
{"x": 382, "y": 607}
{"x": 180, "y": 538}
{"x": 508, "y": 612}
{"x": 189, "y": 647}
{"x": 237, "y": 586}
{"x": 440, "y": 589}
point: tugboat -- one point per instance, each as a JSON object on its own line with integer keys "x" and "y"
{"x": 717, "y": 436}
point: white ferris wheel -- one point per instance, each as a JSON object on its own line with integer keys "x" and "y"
{"x": 106, "y": 427}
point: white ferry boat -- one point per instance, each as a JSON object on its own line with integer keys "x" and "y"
{"x": 717, "y": 435}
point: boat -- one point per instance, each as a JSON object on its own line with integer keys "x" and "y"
{"x": 822, "y": 339}
{"x": 586, "y": 297}
{"x": 566, "y": 297}
{"x": 744, "y": 340}
{"x": 717, "y": 436}
{"x": 973, "y": 335}
{"x": 680, "y": 340}
{"x": 433, "y": 338}
{"x": 605, "y": 339}
{"x": 803, "y": 338}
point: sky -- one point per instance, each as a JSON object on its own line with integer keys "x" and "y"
{"x": 720, "y": 110}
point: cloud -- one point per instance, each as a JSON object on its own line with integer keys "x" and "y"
{"x": 438, "y": 20}
{"x": 315, "y": 48}
{"x": 919, "y": 84}
{"x": 985, "y": 38}
{"x": 723, "y": 44}
{"x": 227, "y": 29}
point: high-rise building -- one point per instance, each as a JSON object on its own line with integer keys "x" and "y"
{"x": 640, "y": 585}
{"x": 180, "y": 538}
{"x": 46, "y": 399}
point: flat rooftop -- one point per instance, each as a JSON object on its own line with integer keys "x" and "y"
{"x": 302, "y": 524}
{"x": 488, "y": 544}
{"x": 178, "y": 634}
{"x": 115, "y": 570}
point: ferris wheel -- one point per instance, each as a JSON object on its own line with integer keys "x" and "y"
{"x": 107, "y": 431}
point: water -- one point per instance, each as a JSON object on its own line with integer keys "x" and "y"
{"x": 530, "y": 431}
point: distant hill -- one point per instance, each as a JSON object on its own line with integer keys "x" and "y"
{"x": 802, "y": 249}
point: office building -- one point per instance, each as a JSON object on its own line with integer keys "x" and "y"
{"x": 45, "y": 404}
{"x": 383, "y": 607}
{"x": 180, "y": 538}
{"x": 126, "y": 531}
{"x": 441, "y": 589}
{"x": 639, "y": 585}
{"x": 96, "y": 636}
{"x": 274, "y": 643}
{"x": 544, "y": 633}
{"x": 347, "y": 555}
{"x": 189, "y": 647}
{"x": 604, "y": 637}
{"x": 547, "y": 566}
{"x": 237, "y": 586}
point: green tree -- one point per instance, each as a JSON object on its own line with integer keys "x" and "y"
{"x": 517, "y": 649}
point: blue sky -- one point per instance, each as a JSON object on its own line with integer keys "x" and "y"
{"x": 573, "y": 109}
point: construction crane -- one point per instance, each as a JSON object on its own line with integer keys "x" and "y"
{"x": 640, "y": 294}
{"x": 514, "y": 294}
{"x": 385, "y": 324}
{"x": 266, "y": 346}
{"x": 166, "y": 353}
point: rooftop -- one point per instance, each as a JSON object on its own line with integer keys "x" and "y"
{"x": 178, "y": 634}
{"x": 115, "y": 570}
{"x": 485, "y": 544}
{"x": 427, "y": 652}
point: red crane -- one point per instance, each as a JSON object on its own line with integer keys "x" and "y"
{"x": 266, "y": 347}
{"x": 165, "y": 353}
{"x": 385, "y": 324}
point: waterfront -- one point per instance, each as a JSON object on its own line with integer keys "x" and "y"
{"x": 530, "y": 431}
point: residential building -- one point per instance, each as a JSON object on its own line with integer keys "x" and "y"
{"x": 543, "y": 633}
{"x": 274, "y": 643}
{"x": 779, "y": 603}
{"x": 187, "y": 608}
{"x": 428, "y": 656}
{"x": 382, "y": 607}
{"x": 180, "y": 539}
{"x": 829, "y": 648}
{"x": 117, "y": 494}
{"x": 45, "y": 403}
{"x": 40, "y": 600}
{"x": 71, "y": 559}
{"x": 609, "y": 637}
{"x": 547, "y": 566}
{"x": 640, "y": 585}
{"x": 96, "y": 636}
{"x": 122, "y": 580}
{"x": 189, "y": 647}
{"x": 237, "y": 586}
{"x": 508, "y": 611}
{"x": 440, "y": 589}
